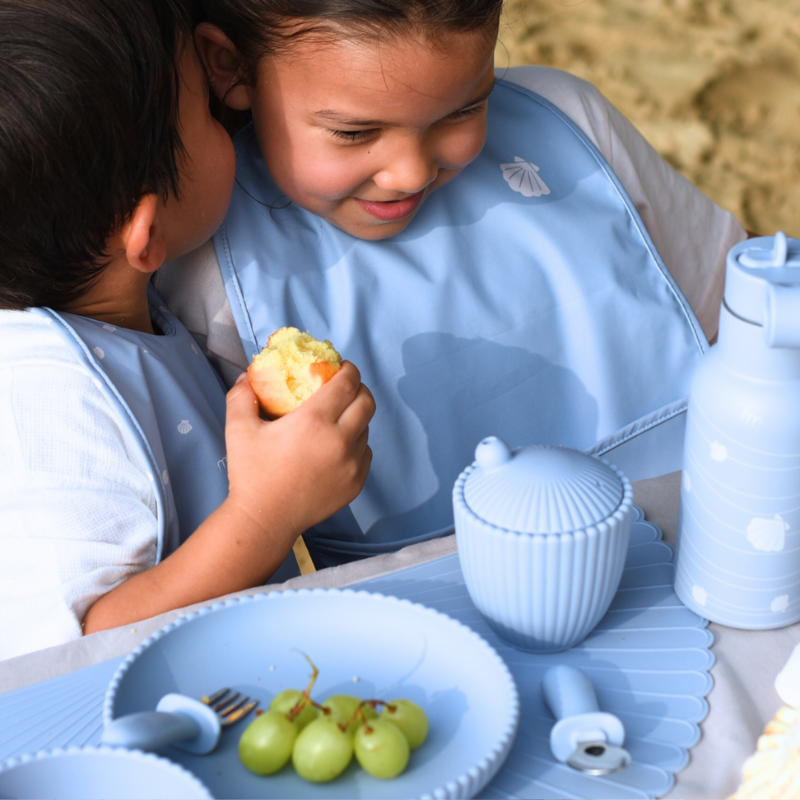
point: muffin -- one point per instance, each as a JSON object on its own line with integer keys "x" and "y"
{"x": 773, "y": 771}
{"x": 291, "y": 367}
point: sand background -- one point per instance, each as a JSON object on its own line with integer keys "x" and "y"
{"x": 713, "y": 85}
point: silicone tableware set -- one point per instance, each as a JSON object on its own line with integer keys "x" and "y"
{"x": 542, "y": 539}
{"x": 571, "y": 511}
{"x": 576, "y": 547}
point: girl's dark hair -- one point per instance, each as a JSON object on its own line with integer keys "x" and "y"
{"x": 264, "y": 27}
{"x": 88, "y": 125}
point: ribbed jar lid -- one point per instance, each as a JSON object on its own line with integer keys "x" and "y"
{"x": 541, "y": 489}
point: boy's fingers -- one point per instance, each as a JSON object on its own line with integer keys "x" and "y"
{"x": 366, "y": 463}
{"x": 241, "y": 401}
{"x": 348, "y": 367}
{"x": 337, "y": 394}
{"x": 356, "y": 416}
{"x": 361, "y": 444}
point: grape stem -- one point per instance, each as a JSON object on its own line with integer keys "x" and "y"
{"x": 375, "y": 703}
{"x": 305, "y": 696}
{"x": 359, "y": 714}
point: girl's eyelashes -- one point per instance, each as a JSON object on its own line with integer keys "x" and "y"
{"x": 463, "y": 113}
{"x": 354, "y": 136}
{"x": 367, "y": 133}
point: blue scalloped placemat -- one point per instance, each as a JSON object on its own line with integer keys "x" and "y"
{"x": 648, "y": 659}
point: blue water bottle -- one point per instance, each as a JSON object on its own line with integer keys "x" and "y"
{"x": 738, "y": 559}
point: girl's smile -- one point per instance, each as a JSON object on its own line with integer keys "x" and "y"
{"x": 359, "y": 131}
{"x": 391, "y": 210}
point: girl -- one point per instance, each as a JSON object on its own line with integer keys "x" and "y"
{"x": 499, "y": 254}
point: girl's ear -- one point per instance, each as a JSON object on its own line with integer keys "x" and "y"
{"x": 223, "y": 64}
{"x": 140, "y": 237}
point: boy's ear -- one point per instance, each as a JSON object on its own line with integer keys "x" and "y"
{"x": 223, "y": 64}
{"x": 140, "y": 237}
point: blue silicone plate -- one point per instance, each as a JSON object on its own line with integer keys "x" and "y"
{"x": 364, "y": 644}
{"x": 98, "y": 773}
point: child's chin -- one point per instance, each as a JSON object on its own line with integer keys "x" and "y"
{"x": 373, "y": 229}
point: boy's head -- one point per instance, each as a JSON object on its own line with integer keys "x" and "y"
{"x": 92, "y": 119}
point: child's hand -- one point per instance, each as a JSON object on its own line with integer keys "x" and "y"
{"x": 285, "y": 476}
{"x": 294, "y": 472}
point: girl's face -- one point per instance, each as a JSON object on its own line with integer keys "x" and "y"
{"x": 360, "y": 132}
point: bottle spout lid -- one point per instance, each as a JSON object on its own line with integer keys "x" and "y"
{"x": 756, "y": 270}
{"x": 778, "y": 256}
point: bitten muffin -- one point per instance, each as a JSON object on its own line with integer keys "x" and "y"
{"x": 291, "y": 367}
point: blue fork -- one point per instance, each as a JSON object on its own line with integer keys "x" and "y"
{"x": 191, "y": 725}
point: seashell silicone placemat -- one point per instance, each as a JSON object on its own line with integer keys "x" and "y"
{"x": 648, "y": 660}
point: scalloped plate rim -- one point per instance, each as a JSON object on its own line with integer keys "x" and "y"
{"x": 473, "y": 780}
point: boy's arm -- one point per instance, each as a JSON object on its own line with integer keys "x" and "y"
{"x": 285, "y": 476}
{"x": 77, "y": 510}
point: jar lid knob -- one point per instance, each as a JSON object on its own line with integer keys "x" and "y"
{"x": 492, "y": 453}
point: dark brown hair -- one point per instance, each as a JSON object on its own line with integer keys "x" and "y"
{"x": 88, "y": 125}
{"x": 264, "y": 27}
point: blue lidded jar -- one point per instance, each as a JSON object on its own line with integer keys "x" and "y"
{"x": 542, "y": 536}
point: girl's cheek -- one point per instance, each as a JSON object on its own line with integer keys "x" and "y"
{"x": 460, "y": 147}
{"x": 338, "y": 176}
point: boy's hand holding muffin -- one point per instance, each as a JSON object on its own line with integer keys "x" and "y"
{"x": 320, "y": 452}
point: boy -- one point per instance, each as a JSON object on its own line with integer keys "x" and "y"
{"x": 113, "y": 436}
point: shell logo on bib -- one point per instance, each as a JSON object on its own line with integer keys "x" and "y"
{"x": 523, "y": 177}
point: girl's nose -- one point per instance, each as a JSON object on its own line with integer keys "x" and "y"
{"x": 409, "y": 167}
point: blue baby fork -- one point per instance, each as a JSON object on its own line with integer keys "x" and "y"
{"x": 191, "y": 725}
{"x": 584, "y": 738}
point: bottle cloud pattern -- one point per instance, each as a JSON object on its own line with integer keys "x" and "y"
{"x": 755, "y": 534}
{"x": 739, "y": 533}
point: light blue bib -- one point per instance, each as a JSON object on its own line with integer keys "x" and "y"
{"x": 168, "y": 395}
{"x": 525, "y": 300}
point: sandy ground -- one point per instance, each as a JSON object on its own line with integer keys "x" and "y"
{"x": 714, "y": 85}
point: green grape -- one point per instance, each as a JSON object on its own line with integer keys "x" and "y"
{"x": 266, "y": 744}
{"x": 381, "y": 748}
{"x": 286, "y": 700}
{"x": 342, "y": 708}
{"x": 410, "y": 718}
{"x": 322, "y": 750}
